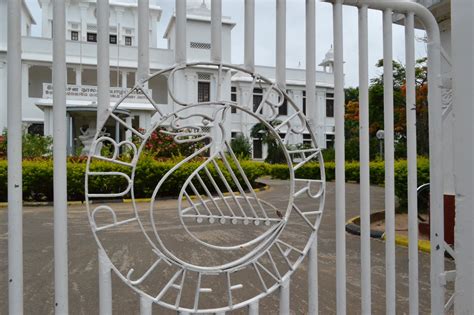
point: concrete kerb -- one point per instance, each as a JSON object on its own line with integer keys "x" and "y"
{"x": 353, "y": 227}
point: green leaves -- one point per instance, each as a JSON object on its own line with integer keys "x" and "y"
{"x": 38, "y": 176}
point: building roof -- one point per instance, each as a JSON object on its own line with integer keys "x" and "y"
{"x": 199, "y": 12}
{"x": 27, "y": 9}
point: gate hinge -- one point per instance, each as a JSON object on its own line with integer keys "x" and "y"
{"x": 447, "y": 276}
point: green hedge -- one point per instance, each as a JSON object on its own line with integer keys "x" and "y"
{"x": 38, "y": 176}
{"x": 377, "y": 174}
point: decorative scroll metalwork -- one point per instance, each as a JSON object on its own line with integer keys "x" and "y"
{"x": 218, "y": 273}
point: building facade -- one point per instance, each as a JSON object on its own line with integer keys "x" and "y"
{"x": 198, "y": 84}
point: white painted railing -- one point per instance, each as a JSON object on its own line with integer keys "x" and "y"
{"x": 388, "y": 7}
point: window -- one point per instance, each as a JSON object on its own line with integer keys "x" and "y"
{"x": 329, "y": 141}
{"x": 304, "y": 102}
{"x": 74, "y": 35}
{"x": 113, "y": 39}
{"x": 283, "y": 109}
{"x": 204, "y": 91}
{"x": 92, "y": 37}
{"x": 36, "y": 129}
{"x": 257, "y": 149}
{"x": 257, "y": 98}
{"x": 307, "y": 139}
{"x": 128, "y": 40}
{"x": 233, "y": 98}
{"x": 329, "y": 104}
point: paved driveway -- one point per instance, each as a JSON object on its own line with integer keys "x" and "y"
{"x": 83, "y": 285}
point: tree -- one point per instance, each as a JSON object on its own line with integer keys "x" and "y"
{"x": 241, "y": 147}
{"x": 376, "y": 110}
{"x": 274, "y": 152}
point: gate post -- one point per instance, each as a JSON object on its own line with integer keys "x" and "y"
{"x": 462, "y": 53}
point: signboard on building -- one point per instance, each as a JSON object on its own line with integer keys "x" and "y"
{"x": 89, "y": 92}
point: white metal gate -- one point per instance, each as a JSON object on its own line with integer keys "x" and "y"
{"x": 388, "y": 7}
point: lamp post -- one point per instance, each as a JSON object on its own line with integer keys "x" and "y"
{"x": 380, "y": 136}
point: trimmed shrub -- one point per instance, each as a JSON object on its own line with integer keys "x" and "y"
{"x": 38, "y": 176}
{"x": 242, "y": 147}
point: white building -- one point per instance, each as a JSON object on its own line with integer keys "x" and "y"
{"x": 81, "y": 51}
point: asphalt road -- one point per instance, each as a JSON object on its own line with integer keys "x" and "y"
{"x": 83, "y": 283}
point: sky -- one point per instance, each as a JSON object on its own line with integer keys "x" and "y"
{"x": 295, "y": 45}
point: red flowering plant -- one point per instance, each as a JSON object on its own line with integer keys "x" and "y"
{"x": 162, "y": 145}
{"x": 3, "y": 146}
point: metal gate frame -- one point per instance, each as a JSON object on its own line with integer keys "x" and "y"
{"x": 388, "y": 7}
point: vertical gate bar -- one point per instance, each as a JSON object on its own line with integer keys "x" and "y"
{"x": 216, "y": 31}
{"x": 105, "y": 284}
{"x": 463, "y": 94}
{"x": 340, "y": 160}
{"x": 364, "y": 161}
{"x": 285, "y": 297}
{"x": 389, "y": 164}
{"x": 143, "y": 40}
{"x": 146, "y": 306}
{"x": 15, "y": 186}
{"x": 280, "y": 77}
{"x": 412, "y": 163}
{"x": 103, "y": 63}
{"x": 313, "y": 299}
{"x": 59, "y": 156}
{"x": 249, "y": 36}
{"x": 180, "y": 45}
{"x": 281, "y": 82}
{"x": 253, "y": 308}
{"x": 436, "y": 167}
{"x": 312, "y": 111}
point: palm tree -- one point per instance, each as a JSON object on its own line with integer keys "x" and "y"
{"x": 261, "y": 132}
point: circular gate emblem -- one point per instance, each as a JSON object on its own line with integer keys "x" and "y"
{"x": 204, "y": 238}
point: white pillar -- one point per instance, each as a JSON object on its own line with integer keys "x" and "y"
{"x": 15, "y": 196}
{"x": 25, "y": 68}
{"x": 118, "y": 16}
{"x": 45, "y": 25}
{"x": 154, "y": 31}
{"x": 59, "y": 155}
{"x": 124, "y": 79}
{"x": 143, "y": 40}
{"x": 78, "y": 72}
{"x": 103, "y": 62}
{"x": 128, "y": 132}
{"x": 463, "y": 78}
{"x": 83, "y": 6}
